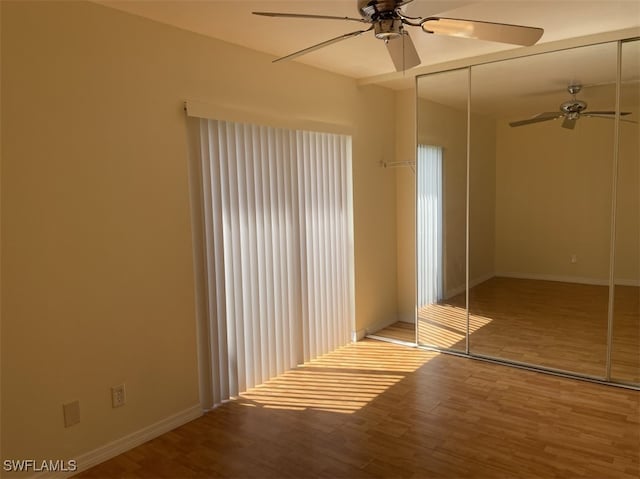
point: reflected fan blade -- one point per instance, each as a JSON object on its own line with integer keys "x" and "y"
{"x": 569, "y": 123}
{"x": 321, "y": 45}
{"x": 495, "y": 32}
{"x": 302, "y": 15}
{"x": 605, "y": 113}
{"x": 403, "y": 52}
{"x": 547, "y": 115}
{"x": 608, "y": 117}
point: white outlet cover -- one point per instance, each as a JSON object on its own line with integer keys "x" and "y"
{"x": 71, "y": 412}
{"x": 118, "y": 396}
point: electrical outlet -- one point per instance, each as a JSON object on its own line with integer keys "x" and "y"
{"x": 71, "y": 412}
{"x": 574, "y": 258}
{"x": 118, "y": 397}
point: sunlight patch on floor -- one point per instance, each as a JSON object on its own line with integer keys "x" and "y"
{"x": 445, "y": 325}
{"x": 343, "y": 381}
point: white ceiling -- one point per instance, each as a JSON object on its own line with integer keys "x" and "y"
{"x": 365, "y": 56}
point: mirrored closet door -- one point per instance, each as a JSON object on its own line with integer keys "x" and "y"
{"x": 441, "y": 205}
{"x": 529, "y": 211}
{"x": 625, "y": 355}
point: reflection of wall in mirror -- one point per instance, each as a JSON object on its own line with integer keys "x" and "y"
{"x": 627, "y": 245}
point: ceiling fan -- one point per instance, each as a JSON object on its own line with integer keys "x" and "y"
{"x": 571, "y": 111}
{"x": 387, "y": 20}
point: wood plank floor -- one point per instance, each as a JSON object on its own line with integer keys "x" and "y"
{"x": 381, "y": 410}
{"x": 547, "y": 323}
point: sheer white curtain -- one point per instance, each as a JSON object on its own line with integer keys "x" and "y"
{"x": 278, "y": 250}
{"x": 429, "y": 225}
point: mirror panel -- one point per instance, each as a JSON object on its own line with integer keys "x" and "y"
{"x": 540, "y": 209}
{"x": 441, "y": 185}
{"x": 625, "y": 352}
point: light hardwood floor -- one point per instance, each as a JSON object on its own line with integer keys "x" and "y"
{"x": 547, "y": 323}
{"x": 381, "y": 410}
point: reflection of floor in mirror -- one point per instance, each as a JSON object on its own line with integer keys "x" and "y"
{"x": 547, "y": 323}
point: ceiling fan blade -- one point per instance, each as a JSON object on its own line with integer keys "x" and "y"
{"x": 547, "y": 115}
{"x": 608, "y": 117}
{"x": 605, "y": 113}
{"x": 403, "y": 52}
{"x": 569, "y": 123}
{"x": 322, "y": 44}
{"x": 302, "y": 15}
{"x": 495, "y": 32}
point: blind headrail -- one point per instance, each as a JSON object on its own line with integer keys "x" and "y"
{"x": 199, "y": 109}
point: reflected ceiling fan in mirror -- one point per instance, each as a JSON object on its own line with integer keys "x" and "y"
{"x": 571, "y": 111}
{"x": 387, "y": 20}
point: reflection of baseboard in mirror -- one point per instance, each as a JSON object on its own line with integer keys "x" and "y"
{"x": 568, "y": 279}
{"x": 454, "y": 291}
{"x": 399, "y": 332}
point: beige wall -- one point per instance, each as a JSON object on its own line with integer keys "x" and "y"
{"x": 406, "y": 204}
{"x": 554, "y": 201}
{"x": 97, "y": 262}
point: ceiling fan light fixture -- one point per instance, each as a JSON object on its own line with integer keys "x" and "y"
{"x": 386, "y": 29}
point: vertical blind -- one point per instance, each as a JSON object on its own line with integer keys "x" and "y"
{"x": 429, "y": 225}
{"x": 278, "y": 249}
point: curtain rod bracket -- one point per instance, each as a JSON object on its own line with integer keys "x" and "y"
{"x": 398, "y": 164}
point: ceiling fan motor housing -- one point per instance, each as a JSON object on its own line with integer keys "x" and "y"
{"x": 573, "y": 107}
{"x": 372, "y": 10}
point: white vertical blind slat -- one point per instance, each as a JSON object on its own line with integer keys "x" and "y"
{"x": 294, "y": 272}
{"x": 303, "y": 220}
{"x": 267, "y": 283}
{"x": 243, "y": 253}
{"x": 310, "y": 240}
{"x": 334, "y": 316}
{"x": 323, "y": 257}
{"x": 262, "y": 352}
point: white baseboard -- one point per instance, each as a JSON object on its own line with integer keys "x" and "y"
{"x": 379, "y": 325}
{"x": 126, "y": 443}
{"x": 570, "y": 279}
{"x": 358, "y": 335}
